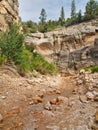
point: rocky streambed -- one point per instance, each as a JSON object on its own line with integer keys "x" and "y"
{"x": 49, "y": 102}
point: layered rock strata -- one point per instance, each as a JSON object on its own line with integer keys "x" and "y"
{"x": 8, "y": 13}
{"x": 66, "y": 45}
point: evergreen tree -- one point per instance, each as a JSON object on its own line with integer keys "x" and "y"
{"x": 43, "y": 16}
{"x": 42, "y": 24}
{"x": 79, "y": 18}
{"x": 91, "y": 9}
{"x": 96, "y": 8}
{"x": 62, "y": 17}
{"x": 29, "y": 27}
{"x": 73, "y": 9}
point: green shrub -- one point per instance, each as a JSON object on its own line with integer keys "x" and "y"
{"x": 30, "y": 48}
{"x": 2, "y": 59}
{"x": 29, "y": 27}
{"x": 11, "y": 42}
{"x": 86, "y": 68}
{"x": 23, "y": 61}
{"x": 11, "y": 45}
{"x": 94, "y": 69}
{"x": 41, "y": 65}
{"x": 13, "y": 49}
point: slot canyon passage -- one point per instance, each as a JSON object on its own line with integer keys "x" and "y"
{"x": 67, "y": 100}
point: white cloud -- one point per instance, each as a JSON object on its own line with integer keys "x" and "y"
{"x": 30, "y": 10}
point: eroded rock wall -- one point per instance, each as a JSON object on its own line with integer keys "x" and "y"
{"x": 8, "y": 13}
{"x": 66, "y": 45}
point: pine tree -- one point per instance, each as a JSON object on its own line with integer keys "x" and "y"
{"x": 73, "y": 9}
{"x": 43, "y": 16}
{"x": 62, "y": 17}
{"x": 96, "y": 8}
{"x": 79, "y": 18}
{"x": 91, "y": 9}
{"x": 42, "y": 24}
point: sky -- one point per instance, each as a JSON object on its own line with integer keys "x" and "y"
{"x": 30, "y": 9}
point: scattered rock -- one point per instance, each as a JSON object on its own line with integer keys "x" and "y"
{"x": 75, "y": 91}
{"x": 14, "y": 111}
{"x": 96, "y": 116}
{"x": 31, "y": 103}
{"x": 90, "y": 88}
{"x": 84, "y": 127}
{"x": 3, "y": 97}
{"x": 54, "y": 101}
{"x": 28, "y": 87}
{"x": 95, "y": 93}
{"x": 37, "y": 99}
{"x": 41, "y": 95}
{"x": 96, "y": 98}
{"x": 1, "y": 118}
{"x": 47, "y": 106}
{"x": 59, "y": 107}
{"x": 83, "y": 98}
{"x": 90, "y": 95}
{"x": 62, "y": 99}
{"x": 82, "y": 71}
{"x": 95, "y": 127}
{"x": 80, "y": 82}
{"x": 64, "y": 128}
{"x": 72, "y": 100}
{"x": 53, "y": 127}
{"x": 57, "y": 91}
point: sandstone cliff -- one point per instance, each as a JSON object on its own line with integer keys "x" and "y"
{"x": 8, "y": 13}
{"x": 64, "y": 44}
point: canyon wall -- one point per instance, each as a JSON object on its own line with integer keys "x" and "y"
{"x": 66, "y": 45}
{"x": 8, "y": 13}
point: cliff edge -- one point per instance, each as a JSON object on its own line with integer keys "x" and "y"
{"x": 8, "y": 13}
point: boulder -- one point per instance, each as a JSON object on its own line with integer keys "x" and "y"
{"x": 37, "y": 99}
{"x": 83, "y": 98}
{"x": 53, "y": 101}
{"x": 1, "y": 118}
{"x": 90, "y": 95}
{"x": 88, "y": 30}
{"x": 96, "y": 116}
{"x": 47, "y": 105}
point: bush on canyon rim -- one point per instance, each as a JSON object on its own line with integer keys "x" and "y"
{"x": 93, "y": 69}
{"x": 12, "y": 48}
